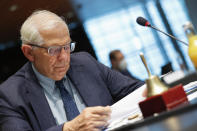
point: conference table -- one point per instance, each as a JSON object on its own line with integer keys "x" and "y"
{"x": 182, "y": 118}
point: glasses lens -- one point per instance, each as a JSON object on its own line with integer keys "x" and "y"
{"x": 67, "y": 47}
{"x": 55, "y": 50}
{"x": 72, "y": 46}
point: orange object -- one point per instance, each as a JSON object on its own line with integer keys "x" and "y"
{"x": 192, "y": 38}
{"x": 192, "y": 50}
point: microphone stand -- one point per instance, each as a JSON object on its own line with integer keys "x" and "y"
{"x": 168, "y": 35}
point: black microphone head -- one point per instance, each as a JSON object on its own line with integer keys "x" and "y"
{"x": 142, "y": 21}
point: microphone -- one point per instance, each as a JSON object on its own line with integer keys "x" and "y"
{"x": 143, "y": 22}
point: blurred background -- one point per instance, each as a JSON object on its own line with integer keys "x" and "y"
{"x": 100, "y": 26}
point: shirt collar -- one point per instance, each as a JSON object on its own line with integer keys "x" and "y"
{"x": 47, "y": 83}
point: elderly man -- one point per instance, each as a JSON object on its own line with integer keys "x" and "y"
{"x": 56, "y": 90}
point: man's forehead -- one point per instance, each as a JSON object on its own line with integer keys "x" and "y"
{"x": 56, "y": 42}
{"x": 58, "y": 35}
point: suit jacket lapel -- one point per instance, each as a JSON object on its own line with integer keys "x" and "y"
{"x": 38, "y": 100}
{"x": 80, "y": 80}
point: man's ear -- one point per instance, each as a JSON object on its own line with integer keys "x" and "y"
{"x": 27, "y": 51}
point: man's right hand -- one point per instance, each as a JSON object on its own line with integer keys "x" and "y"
{"x": 90, "y": 119}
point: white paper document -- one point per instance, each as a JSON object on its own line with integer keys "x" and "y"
{"x": 126, "y": 107}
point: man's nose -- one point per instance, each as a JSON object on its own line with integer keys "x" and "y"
{"x": 63, "y": 54}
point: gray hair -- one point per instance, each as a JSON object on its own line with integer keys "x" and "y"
{"x": 42, "y": 19}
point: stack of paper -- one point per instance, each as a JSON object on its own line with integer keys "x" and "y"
{"x": 190, "y": 88}
{"x": 126, "y": 107}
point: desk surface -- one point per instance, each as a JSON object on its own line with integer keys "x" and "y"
{"x": 183, "y": 118}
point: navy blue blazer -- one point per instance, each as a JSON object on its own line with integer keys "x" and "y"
{"x": 24, "y": 107}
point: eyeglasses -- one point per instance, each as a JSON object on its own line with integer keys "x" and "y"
{"x": 56, "y": 50}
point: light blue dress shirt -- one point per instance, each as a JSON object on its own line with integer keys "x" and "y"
{"x": 53, "y": 96}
